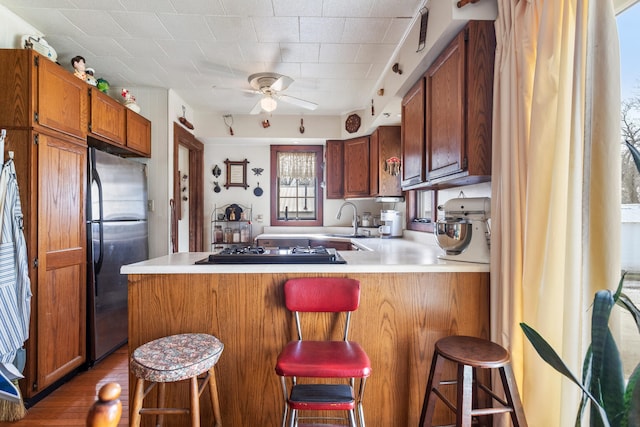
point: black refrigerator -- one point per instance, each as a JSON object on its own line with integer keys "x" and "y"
{"x": 117, "y": 234}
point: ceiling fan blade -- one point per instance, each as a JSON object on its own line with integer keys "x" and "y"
{"x": 282, "y": 83}
{"x": 256, "y": 108}
{"x": 298, "y": 102}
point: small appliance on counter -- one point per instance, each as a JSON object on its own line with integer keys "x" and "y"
{"x": 391, "y": 224}
{"x": 464, "y": 231}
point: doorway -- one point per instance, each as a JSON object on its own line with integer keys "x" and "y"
{"x": 187, "y": 219}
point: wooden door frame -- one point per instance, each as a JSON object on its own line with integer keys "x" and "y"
{"x": 181, "y": 137}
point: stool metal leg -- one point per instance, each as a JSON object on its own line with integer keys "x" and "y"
{"x": 429, "y": 405}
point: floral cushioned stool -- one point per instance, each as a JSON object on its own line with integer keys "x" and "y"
{"x": 176, "y": 358}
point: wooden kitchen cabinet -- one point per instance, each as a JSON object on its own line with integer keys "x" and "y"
{"x": 44, "y": 109}
{"x": 458, "y": 96}
{"x": 334, "y": 161}
{"x": 456, "y": 122}
{"x": 138, "y": 133}
{"x": 384, "y": 144}
{"x": 107, "y": 118}
{"x": 412, "y": 136}
{"x": 356, "y": 167}
{"x": 38, "y": 92}
{"x": 51, "y": 173}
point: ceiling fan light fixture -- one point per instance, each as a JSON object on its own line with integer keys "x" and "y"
{"x": 268, "y": 104}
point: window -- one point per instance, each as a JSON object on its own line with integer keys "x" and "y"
{"x": 630, "y": 126}
{"x": 296, "y": 196}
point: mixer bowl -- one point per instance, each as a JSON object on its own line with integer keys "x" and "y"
{"x": 453, "y": 235}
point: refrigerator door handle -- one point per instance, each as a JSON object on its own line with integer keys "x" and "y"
{"x": 98, "y": 264}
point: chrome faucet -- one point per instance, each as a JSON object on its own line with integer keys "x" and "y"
{"x": 355, "y": 216}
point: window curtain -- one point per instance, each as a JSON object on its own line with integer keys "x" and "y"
{"x": 555, "y": 187}
{"x": 296, "y": 165}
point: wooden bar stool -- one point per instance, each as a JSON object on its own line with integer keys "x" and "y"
{"x": 176, "y": 358}
{"x": 470, "y": 354}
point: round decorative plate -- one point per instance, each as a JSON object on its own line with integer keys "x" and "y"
{"x": 353, "y": 123}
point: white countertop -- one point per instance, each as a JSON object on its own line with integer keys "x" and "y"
{"x": 381, "y": 256}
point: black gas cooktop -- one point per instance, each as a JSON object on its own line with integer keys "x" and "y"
{"x": 260, "y": 255}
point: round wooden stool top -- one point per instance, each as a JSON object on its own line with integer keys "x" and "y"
{"x": 472, "y": 351}
{"x": 176, "y": 357}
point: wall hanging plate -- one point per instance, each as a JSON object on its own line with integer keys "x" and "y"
{"x": 352, "y": 124}
{"x": 257, "y": 191}
{"x": 233, "y": 212}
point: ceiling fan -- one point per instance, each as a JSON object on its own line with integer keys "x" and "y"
{"x": 269, "y": 85}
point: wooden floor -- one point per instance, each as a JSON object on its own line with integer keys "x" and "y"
{"x": 68, "y": 405}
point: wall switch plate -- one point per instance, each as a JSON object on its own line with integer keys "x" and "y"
{"x": 151, "y": 206}
{"x": 259, "y": 218}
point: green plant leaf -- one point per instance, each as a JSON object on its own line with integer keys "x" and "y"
{"x": 612, "y": 382}
{"x": 549, "y": 355}
{"x": 632, "y": 400}
{"x": 602, "y": 303}
{"x": 625, "y": 301}
{"x": 635, "y": 154}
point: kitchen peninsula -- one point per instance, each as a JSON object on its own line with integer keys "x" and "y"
{"x": 409, "y": 299}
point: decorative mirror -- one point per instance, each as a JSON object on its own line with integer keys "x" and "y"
{"x": 236, "y": 174}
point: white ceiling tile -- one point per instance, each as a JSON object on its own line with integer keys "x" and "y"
{"x": 374, "y": 53}
{"x": 180, "y": 49}
{"x": 95, "y": 23}
{"x": 396, "y": 31}
{"x": 49, "y": 21}
{"x": 297, "y": 8}
{"x": 300, "y": 52}
{"x": 100, "y": 46}
{"x": 186, "y": 27}
{"x": 157, "y": 6}
{"x": 141, "y": 48}
{"x": 335, "y": 71}
{"x": 264, "y": 52}
{"x": 321, "y": 30}
{"x": 44, "y": 4}
{"x": 277, "y": 29}
{"x": 333, "y": 52}
{"x": 231, "y": 28}
{"x": 346, "y": 8}
{"x": 396, "y": 8}
{"x": 220, "y": 51}
{"x": 98, "y": 4}
{"x": 248, "y": 7}
{"x": 361, "y": 30}
{"x": 200, "y": 7}
{"x": 141, "y": 24}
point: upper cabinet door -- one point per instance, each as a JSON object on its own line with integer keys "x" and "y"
{"x": 413, "y": 145}
{"x": 356, "y": 167}
{"x": 334, "y": 161}
{"x": 445, "y": 111}
{"x": 138, "y": 133}
{"x": 108, "y": 118}
{"x": 62, "y": 99}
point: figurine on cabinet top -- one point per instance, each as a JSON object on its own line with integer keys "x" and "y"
{"x": 78, "y": 64}
{"x": 90, "y": 78}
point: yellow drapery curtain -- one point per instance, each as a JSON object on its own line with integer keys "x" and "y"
{"x": 555, "y": 187}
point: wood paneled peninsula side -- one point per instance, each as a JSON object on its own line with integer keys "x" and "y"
{"x": 409, "y": 299}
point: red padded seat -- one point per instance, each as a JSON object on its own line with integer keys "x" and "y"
{"x": 342, "y": 359}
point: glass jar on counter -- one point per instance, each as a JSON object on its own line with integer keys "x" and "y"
{"x": 236, "y": 236}
{"x": 244, "y": 233}
{"x": 228, "y": 235}
{"x": 217, "y": 234}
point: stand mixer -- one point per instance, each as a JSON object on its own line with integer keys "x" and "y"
{"x": 464, "y": 231}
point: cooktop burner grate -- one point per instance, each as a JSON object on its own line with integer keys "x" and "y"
{"x": 260, "y": 255}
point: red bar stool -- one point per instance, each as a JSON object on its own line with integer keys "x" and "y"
{"x": 470, "y": 354}
{"x": 171, "y": 359}
{"x": 313, "y": 359}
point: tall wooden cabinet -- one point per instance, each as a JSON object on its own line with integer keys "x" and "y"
{"x": 44, "y": 109}
{"x": 356, "y": 167}
{"x": 447, "y": 115}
